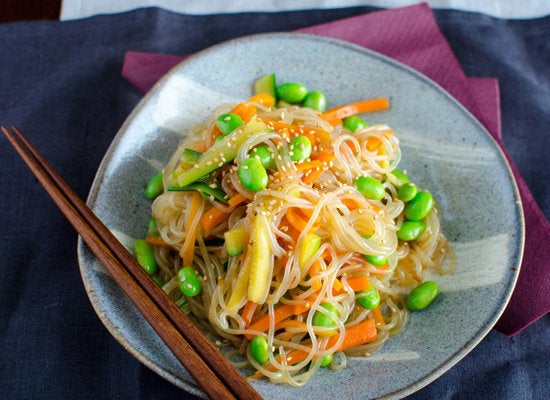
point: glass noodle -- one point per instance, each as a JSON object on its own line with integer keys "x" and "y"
{"x": 286, "y": 215}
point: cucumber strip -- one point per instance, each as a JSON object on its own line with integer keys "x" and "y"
{"x": 203, "y": 188}
{"x": 222, "y": 152}
{"x": 266, "y": 84}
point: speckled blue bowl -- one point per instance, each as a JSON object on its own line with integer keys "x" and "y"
{"x": 444, "y": 149}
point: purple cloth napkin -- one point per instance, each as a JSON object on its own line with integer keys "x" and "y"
{"x": 410, "y": 35}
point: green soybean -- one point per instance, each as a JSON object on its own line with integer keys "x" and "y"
{"x": 300, "y": 148}
{"x": 326, "y": 319}
{"x": 370, "y": 187}
{"x": 377, "y": 260}
{"x": 411, "y": 230}
{"x": 291, "y": 92}
{"x": 420, "y": 206}
{"x": 189, "y": 282}
{"x": 315, "y": 100}
{"x": 228, "y": 122}
{"x": 422, "y": 296}
{"x": 265, "y": 155}
{"x": 354, "y": 122}
{"x": 401, "y": 177}
{"x": 252, "y": 174}
{"x": 154, "y": 187}
{"x": 152, "y": 229}
{"x": 327, "y": 360}
{"x": 258, "y": 349}
{"x": 369, "y": 299}
{"x": 407, "y": 191}
{"x": 145, "y": 256}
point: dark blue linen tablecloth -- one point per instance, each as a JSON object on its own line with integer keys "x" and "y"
{"x": 60, "y": 83}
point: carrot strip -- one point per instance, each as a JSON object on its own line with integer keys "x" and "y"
{"x": 296, "y": 218}
{"x": 262, "y": 98}
{"x": 314, "y": 270}
{"x": 280, "y": 313}
{"x": 245, "y": 111}
{"x": 156, "y": 241}
{"x": 378, "y": 317}
{"x": 215, "y": 216}
{"x": 325, "y": 156}
{"x": 248, "y": 312}
{"x": 236, "y": 200}
{"x": 359, "y": 283}
{"x": 306, "y": 165}
{"x": 187, "y": 251}
{"x": 315, "y": 135}
{"x": 289, "y": 229}
{"x": 311, "y": 176}
{"x": 362, "y": 333}
{"x": 359, "y": 107}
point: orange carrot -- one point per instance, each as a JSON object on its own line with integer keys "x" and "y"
{"x": 314, "y": 271}
{"x": 325, "y": 156}
{"x": 187, "y": 251}
{"x": 378, "y": 317}
{"x": 356, "y": 335}
{"x": 214, "y": 216}
{"x": 236, "y": 200}
{"x": 362, "y": 333}
{"x": 245, "y": 111}
{"x": 359, "y": 283}
{"x": 262, "y": 98}
{"x": 306, "y": 165}
{"x": 315, "y": 135}
{"x": 280, "y": 313}
{"x": 248, "y": 312}
{"x": 156, "y": 241}
{"x": 296, "y": 218}
{"x": 359, "y": 107}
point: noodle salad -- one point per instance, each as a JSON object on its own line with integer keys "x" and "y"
{"x": 287, "y": 230}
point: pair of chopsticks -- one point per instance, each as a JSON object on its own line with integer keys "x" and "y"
{"x": 205, "y": 363}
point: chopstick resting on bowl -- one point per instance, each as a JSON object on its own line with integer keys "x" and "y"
{"x": 204, "y": 362}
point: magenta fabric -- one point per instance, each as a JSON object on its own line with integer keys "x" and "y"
{"x": 411, "y": 36}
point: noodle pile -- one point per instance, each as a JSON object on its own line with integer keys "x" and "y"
{"x": 302, "y": 200}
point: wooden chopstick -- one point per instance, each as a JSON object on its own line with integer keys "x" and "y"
{"x": 214, "y": 373}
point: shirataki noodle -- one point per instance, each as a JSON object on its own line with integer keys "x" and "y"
{"x": 284, "y": 216}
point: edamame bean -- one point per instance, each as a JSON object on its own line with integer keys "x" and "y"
{"x": 407, "y": 191}
{"x": 265, "y": 155}
{"x": 354, "y": 122}
{"x": 252, "y": 174}
{"x": 291, "y": 92}
{"x": 370, "y": 187}
{"x": 377, "y": 260}
{"x": 422, "y": 296}
{"x": 401, "y": 177}
{"x": 258, "y": 349}
{"x": 300, "y": 148}
{"x": 145, "y": 256}
{"x": 228, "y": 122}
{"x": 420, "y": 206}
{"x": 154, "y": 187}
{"x": 327, "y": 318}
{"x": 369, "y": 299}
{"x": 411, "y": 230}
{"x": 327, "y": 360}
{"x": 152, "y": 229}
{"x": 316, "y": 100}
{"x": 189, "y": 282}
